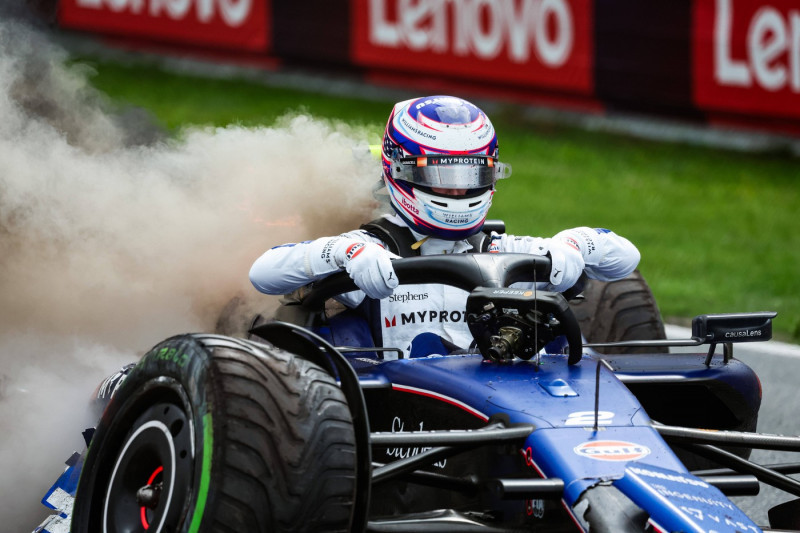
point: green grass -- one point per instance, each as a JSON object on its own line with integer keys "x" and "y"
{"x": 717, "y": 229}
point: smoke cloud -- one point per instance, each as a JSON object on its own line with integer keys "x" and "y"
{"x": 114, "y": 236}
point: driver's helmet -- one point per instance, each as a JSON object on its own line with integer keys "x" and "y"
{"x": 437, "y": 144}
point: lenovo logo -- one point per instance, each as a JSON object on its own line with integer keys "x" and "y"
{"x": 476, "y": 27}
{"x": 233, "y": 13}
{"x": 771, "y": 55}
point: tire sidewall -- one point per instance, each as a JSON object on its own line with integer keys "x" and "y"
{"x": 178, "y": 369}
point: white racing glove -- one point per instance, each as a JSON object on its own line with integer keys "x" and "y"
{"x": 369, "y": 266}
{"x": 567, "y": 262}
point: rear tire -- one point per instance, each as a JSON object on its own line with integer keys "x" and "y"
{"x": 241, "y": 437}
{"x": 622, "y": 310}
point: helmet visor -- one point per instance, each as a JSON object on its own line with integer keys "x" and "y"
{"x": 450, "y": 172}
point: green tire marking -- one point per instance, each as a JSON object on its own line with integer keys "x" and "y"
{"x": 205, "y": 476}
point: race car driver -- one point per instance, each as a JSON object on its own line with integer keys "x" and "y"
{"x": 440, "y": 166}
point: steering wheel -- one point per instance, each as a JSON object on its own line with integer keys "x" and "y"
{"x": 467, "y": 272}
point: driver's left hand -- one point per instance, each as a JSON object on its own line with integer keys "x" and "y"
{"x": 567, "y": 262}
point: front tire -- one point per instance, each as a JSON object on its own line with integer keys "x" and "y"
{"x": 209, "y": 433}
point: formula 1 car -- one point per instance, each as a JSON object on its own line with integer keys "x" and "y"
{"x": 305, "y": 425}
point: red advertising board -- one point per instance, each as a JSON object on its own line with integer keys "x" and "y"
{"x": 546, "y": 44}
{"x": 747, "y": 56}
{"x": 230, "y": 24}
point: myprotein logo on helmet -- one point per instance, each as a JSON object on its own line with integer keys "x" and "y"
{"x": 483, "y": 161}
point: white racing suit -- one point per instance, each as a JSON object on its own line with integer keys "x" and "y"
{"x": 431, "y": 308}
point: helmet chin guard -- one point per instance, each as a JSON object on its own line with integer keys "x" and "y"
{"x": 440, "y": 165}
{"x": 439, "y": 215}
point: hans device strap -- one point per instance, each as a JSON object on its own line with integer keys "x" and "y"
{"x": 400, "y": 240}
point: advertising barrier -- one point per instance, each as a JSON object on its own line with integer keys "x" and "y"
{"x": 226, "y": 24}
{"x": 712, "y": 60}
{"x": 536, "y": 43}
{"x": 747, "y": 56}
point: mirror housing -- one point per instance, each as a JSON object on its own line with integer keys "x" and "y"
{"x": 733, "y": 327}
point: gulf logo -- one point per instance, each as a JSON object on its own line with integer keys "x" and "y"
{"x": 612, "y": 450}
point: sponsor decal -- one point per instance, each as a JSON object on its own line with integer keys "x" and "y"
{"x": 667, "y": 476}
{"x": 534, "y": 42}
{"x": 569, "y": 241}
{"x": 239, "y": 24}
{"x": 588, "y": 241}
{"x": 753, "y": 63}
{"x": 411, "y": 127}
{"x": 353, "y": 250}
{"x": 427, "y": 317}
{"x": 696, "y": 503}
{"x": 408, "y": 297}
{"x": 482, "y": 161}
{"x": 612, "y": 450}
{"x": 534, "y": 508}
{"x": 512, "y": 292}
{"x": 390, "y": 323}
{"x": 398, "y": 426}
{"x": 408, "y": 205}
{"x": 456, "y": 219}
{"x": 327, "y": 251}
{"x": 742, "y": 333}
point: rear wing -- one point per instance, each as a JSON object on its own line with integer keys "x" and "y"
{"x": 725, "y": 329}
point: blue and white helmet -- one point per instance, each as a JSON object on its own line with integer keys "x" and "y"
{"x": 440, "y": 165}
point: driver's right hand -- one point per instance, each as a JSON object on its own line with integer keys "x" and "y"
{"x": 370, "y": 267}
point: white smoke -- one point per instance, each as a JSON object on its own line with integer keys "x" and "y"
{"x": 113, "y": 237}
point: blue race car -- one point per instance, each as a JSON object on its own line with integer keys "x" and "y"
{"x": 301, "y": 425}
